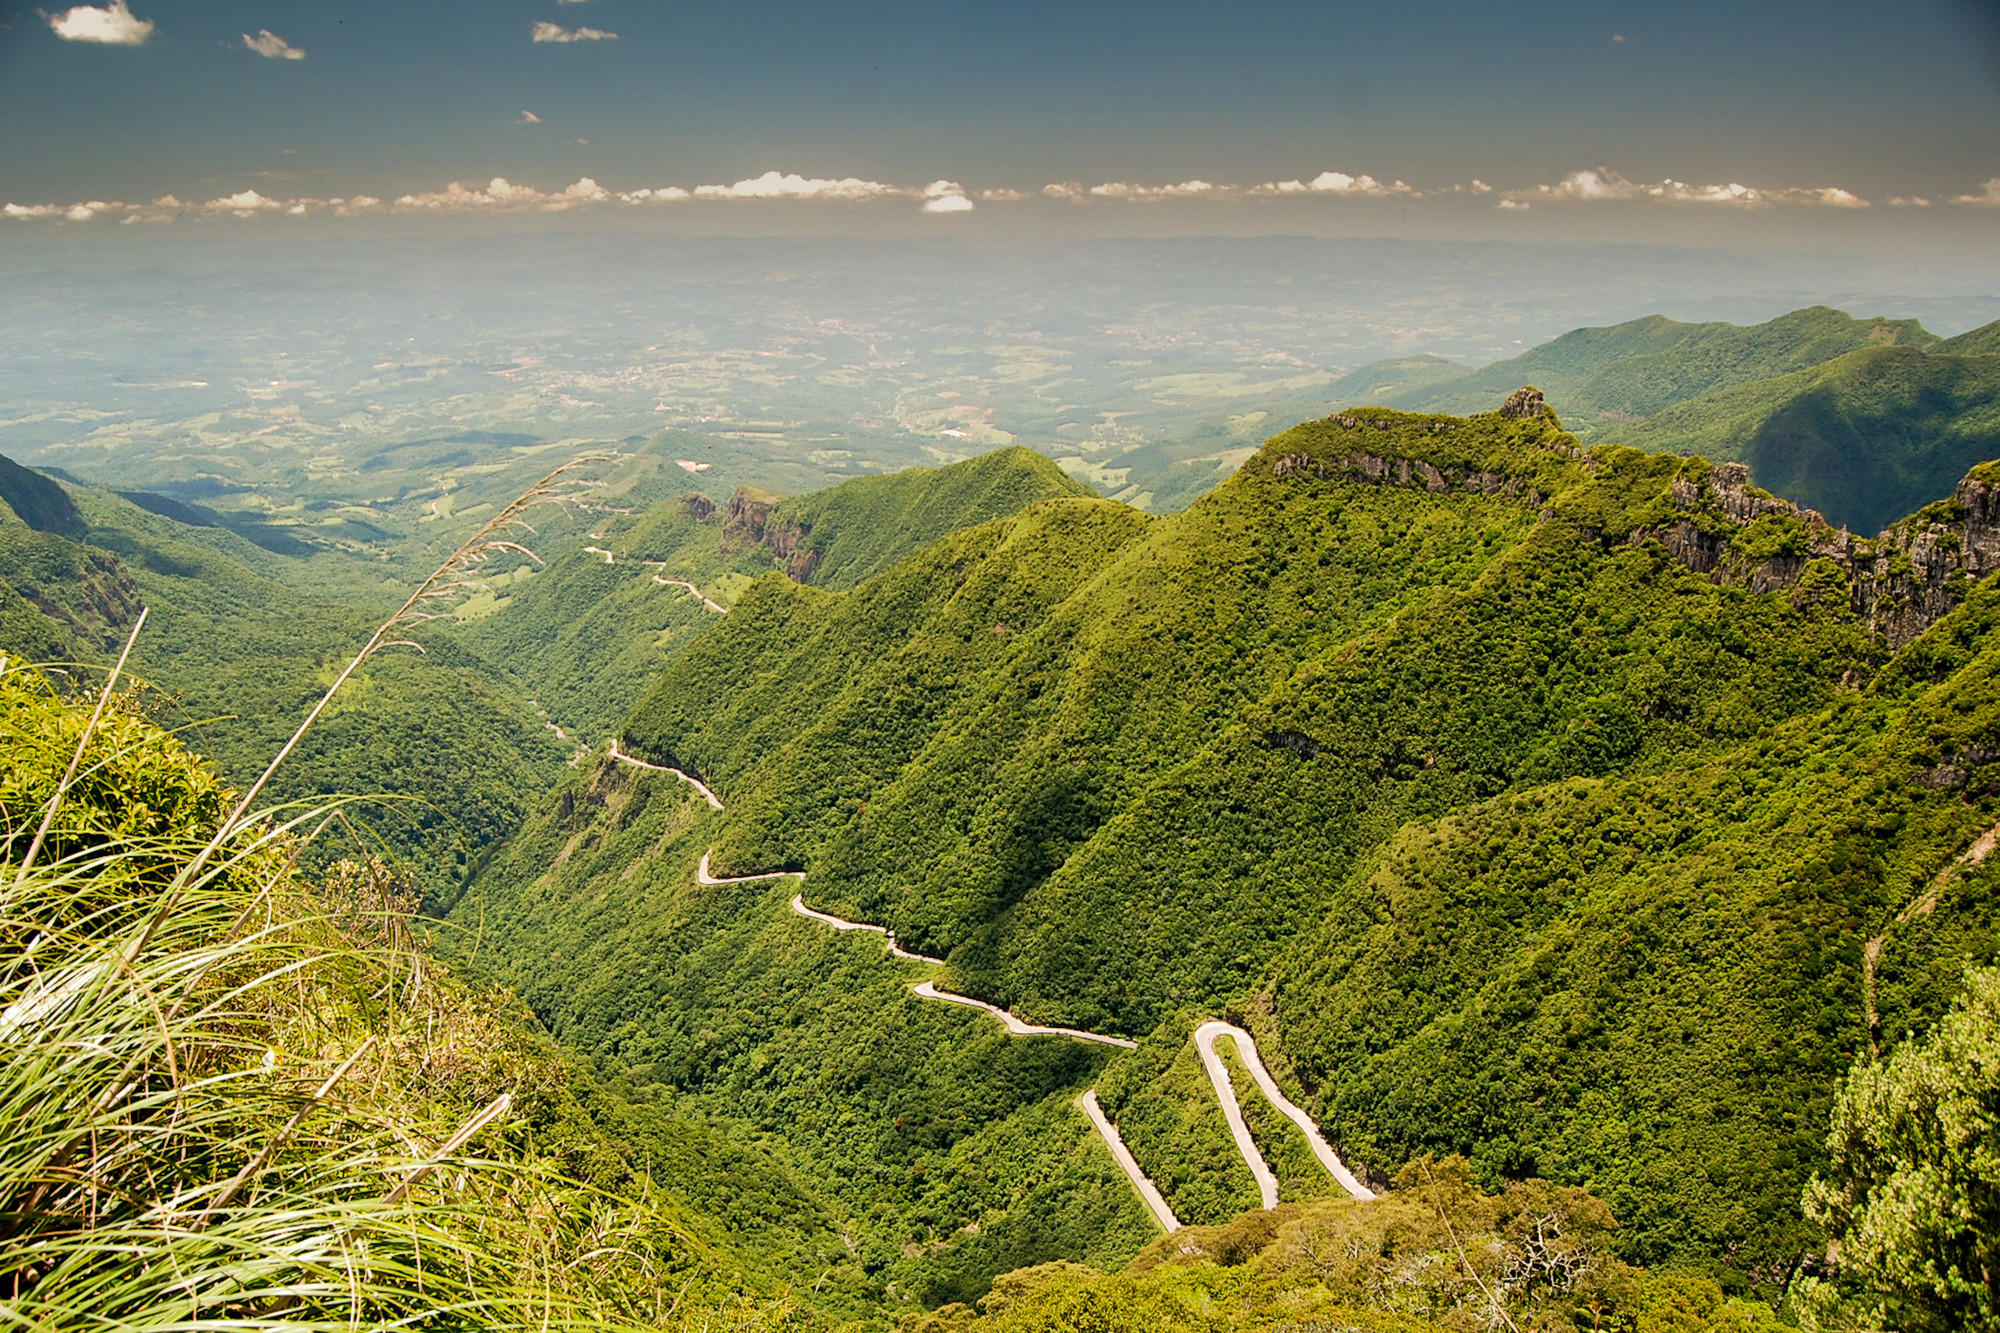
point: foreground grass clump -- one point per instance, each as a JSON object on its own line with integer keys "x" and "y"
{"x": 234, "y": 1098}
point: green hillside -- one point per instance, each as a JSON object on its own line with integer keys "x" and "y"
{"x": 1982, "y": 341}
{"x": 1455, "y": 758}
{"x": 585, "y": 636}
{"x": 861, "y": 527}
{"x": 1598, "y": 378}
{"x": 1181, "y": 469}
{"x": 237, "y": 656}
{"x": 1864, "y": 439}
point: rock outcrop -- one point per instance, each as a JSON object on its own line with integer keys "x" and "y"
{"x": 752, "y": 517}
{"x": 1901, "y": 581}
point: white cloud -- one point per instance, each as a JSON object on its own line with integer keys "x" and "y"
{"x": 1989, "y": 195}
{"x": 544, "y": 31}
{"x": 1908, "y": 201}
{"x": 1336, "y": 183}
{"x": 502, "y": 195}
{"x": 943, "y": 196}
{"x": 1827, "y": 196}
{"x": 1147, "y": 194}
{"x": 529, "y": 118}
{"x": 777, "y": 185}
{"x": 113, "y": 25}
{"x": 243, "y": 204}
{"x": 1586, "y": 185}
{"x": 661, "y": 194}
{"x": 1596, "y": 185}
{"x": 271, "y": 46}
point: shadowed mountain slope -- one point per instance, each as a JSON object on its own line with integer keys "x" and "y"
{"x": 1865, "y": 438}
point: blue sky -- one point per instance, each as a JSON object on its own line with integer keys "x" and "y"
{"x": 1482, "y": 107}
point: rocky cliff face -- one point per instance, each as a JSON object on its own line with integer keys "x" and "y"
{"x": 752, "y": 518}
{"x": 88, "y": 590}
{"x": 1901, "y": 581}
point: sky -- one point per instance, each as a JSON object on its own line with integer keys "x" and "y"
{"x": 1599, "y": 119}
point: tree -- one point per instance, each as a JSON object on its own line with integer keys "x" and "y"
{"x": 1911, "y": 1198}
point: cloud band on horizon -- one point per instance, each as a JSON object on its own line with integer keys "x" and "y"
{"x": 1583, "y": 188}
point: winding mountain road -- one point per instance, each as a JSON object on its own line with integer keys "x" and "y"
{"x": 1225, "y": 1092}
{"x": 1205, "y": 1038}
{"x": 683, "y": 584}
{"x": 1019, "y": 1027}
{"x": 827, "y": 919}
{"x": 714, "y": 802}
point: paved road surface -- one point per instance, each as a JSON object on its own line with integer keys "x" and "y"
{"x": 1218, "y": 1075}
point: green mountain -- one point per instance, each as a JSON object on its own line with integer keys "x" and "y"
{"x": 1530, "y": 802}
{"x": 1176, "y": 472}
{"x": 860, "y": 528}
{"x": 1599, "y": 378}
{"x": 237, "y": 656}
{"x": 1982, "y": 341}
{"x": 1864, "y": 438}
{"x": 586, "y": 636}
{"x": 38, "y": 501}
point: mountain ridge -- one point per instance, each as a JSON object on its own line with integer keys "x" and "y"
{"x": 1114, "y": 768}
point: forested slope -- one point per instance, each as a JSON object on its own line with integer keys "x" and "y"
{"x": 238, "y": 656}
{"x": 449, "y": 1170}
{"x": 586, "y": 635}
{"x": 1180, "y": 766}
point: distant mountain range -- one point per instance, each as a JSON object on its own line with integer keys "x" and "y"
{"x": 1861, "y": 419}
